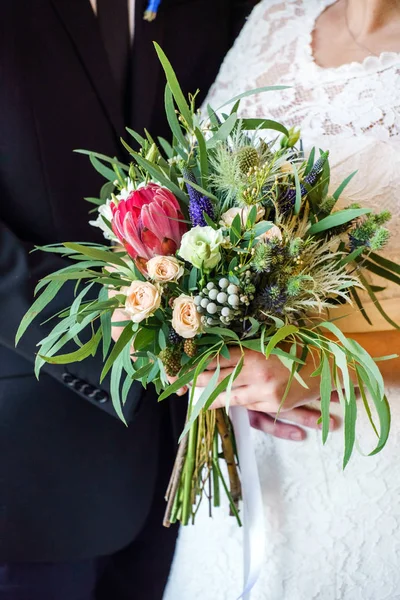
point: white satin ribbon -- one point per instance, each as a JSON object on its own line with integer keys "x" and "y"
{"x": 253, "y": 511}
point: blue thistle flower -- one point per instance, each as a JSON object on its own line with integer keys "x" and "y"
{"x": 272, "y": 299}
{"x": 198, "y": 204}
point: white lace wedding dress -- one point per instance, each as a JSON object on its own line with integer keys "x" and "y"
{"x": 329, "y": 535}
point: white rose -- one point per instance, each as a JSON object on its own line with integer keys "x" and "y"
{"x": 164, "y": 268}
{"x": 228, "y": 216}
{"x": 200, "y": 246}
{"x": 142, "y": 300}
{"x": 185, "y": 319}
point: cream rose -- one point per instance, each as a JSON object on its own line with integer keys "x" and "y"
{"x": 228, "y": 216}
{"x": 185, "y": 319}
{"x": 272, "y": 233}
{"x": 142, "y": 300}
{"x": 164, "y": 268}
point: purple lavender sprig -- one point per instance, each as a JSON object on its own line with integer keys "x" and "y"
{"x": 287, "y": 202}
{"x": 198, "y": 204}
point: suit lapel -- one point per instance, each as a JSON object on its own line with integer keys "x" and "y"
{"x": 146, "y": 70}
{"x": 81, "y": 25}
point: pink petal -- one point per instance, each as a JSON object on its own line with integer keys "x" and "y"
{"x": 164, "y": 194}
{"x": 168, "y": 246}
{"x": 132, "y": 236}
{"x": 151, "y": 242}
{"x": 172, "y": 217}
{"x": 154, "y": 220}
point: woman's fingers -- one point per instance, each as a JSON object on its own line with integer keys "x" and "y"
{"x": 269, "y": 425}
{"x": 238, "y": 397}
{"x": 306, "y": 417}
{"x": 232, "y": 361}
{"x": 205, "y": 377}
{"x": 117, "y": 317}
{"x": 182, "y": 391}
{"x": 289, "y": 428}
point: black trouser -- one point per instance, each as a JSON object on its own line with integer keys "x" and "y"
{"x": 138, "y": 572}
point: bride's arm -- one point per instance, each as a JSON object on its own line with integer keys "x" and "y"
{"x": 383, "y": 343}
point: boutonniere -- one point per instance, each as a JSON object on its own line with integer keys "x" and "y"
{"x": 151, "y": 10}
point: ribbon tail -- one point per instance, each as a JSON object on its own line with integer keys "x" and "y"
{"x": 253, "y": 511}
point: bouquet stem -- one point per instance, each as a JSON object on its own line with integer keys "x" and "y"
{"x": 188, "y": 496}
{"x": 196, "y": 469}
{"x": 225, "y": 432}
{"x": 171, "y": 495}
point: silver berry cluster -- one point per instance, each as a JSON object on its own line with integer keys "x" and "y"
{"x": 220, "y": 302}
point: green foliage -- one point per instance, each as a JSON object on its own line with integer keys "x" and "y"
{"x": 272, "y": 286}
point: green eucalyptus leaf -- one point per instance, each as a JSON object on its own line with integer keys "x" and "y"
{"x": 172, "y": 119}
{"x": 104, "y": 158}
{"x": 115, "y": 384}
{"x": 107, "y": 256}
{"x": 88, "y": 349}
{"x": 102, "y": 169}
{"x": 350, "y": 417}
{"x": 199, "y": 405}
{"x": 325, "y": 394}
{"x": 297, "y": 203}
{"x": 279, "y": 336}
{"x": 174, "y": 387}
{"x": 375, "y": 300}
{"x": 252, "y": 124}
{"x": 338, "y": 218}
{"x": 223, "y": 132}
{"x": 124, "y": 339}
{"x": 343, "y": 185}
{"x": 40, "y": 303}
{"x": 159, "y": 176}
{"x": 174, "y": 85}
{"x": 260, "y": 90}
{"x": 136, "y": 136}
{"x": 387, "y": 264}
{"x": 203, "y": 157}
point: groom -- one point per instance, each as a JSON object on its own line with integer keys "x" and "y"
{"x": 81, "y": 495}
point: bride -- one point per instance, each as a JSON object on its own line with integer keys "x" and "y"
{"x": 329, "y": 535}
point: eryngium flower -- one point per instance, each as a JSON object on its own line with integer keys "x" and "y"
{"x": 272, "y": 300}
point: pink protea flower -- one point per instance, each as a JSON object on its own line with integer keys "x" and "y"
{"x": 148, "y": 223}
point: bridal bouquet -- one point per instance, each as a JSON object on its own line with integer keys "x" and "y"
{"x": 222, "y": 238}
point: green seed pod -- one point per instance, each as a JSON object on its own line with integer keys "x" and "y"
{"x": 247, "y": 157}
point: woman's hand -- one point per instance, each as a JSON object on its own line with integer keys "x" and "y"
{"x": 292, "y": 427}
{"x": 261, "y": 384}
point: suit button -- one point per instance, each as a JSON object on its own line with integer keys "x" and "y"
{"x": 69, "y": 379}
{"x": 101, "y": 397}
{"x": 80, "y": 385}
{"x": 88, "y": 390}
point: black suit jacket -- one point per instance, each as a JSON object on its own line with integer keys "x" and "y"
{"x": 74, "y": 482}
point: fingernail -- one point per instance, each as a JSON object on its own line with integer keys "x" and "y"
{"x": 296, "y": 436}
{"x": 332, "y": 422}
